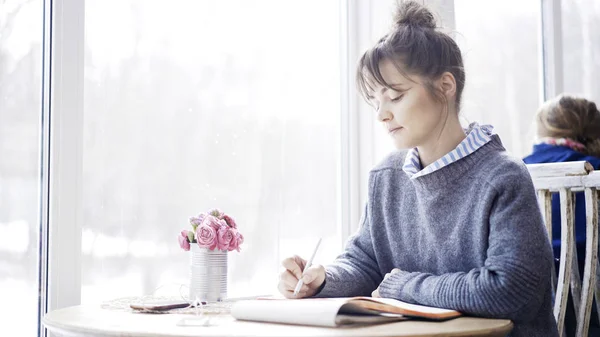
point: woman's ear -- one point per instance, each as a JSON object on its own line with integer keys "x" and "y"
{"x": 447, "y": 84}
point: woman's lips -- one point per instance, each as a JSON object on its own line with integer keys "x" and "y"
{"x": 392, "y": 131}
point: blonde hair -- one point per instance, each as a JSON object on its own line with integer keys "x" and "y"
{"x": 572, "y": 117}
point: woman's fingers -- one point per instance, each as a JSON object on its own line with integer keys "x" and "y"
{"x": 292, "y": 264}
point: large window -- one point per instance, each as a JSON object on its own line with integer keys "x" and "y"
{"x": 202, "y": 104}
{"x": 20, "y": 110}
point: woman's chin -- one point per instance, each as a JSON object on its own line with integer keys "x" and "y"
{"x": 402, "y": 144}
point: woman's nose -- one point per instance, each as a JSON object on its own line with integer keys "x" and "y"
{"x": 384, "y": 115}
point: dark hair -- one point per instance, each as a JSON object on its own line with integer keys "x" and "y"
{"x": 415, "y": 46}
{"x": 572, "y": 117}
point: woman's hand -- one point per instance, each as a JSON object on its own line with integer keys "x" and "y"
{"x": 313, "y": 278}
{"x": 376, "y": 292}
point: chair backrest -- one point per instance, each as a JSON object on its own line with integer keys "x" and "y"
{"x": 565, "y": 179}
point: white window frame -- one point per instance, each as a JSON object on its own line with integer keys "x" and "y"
{"x": 62, "y": 155}
{"x": 44, "y": 169}
{"x": 349, "y": 169}
{"x": 550, "y": 49}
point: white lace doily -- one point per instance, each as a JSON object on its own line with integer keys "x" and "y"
{"x": 123, "y": 304}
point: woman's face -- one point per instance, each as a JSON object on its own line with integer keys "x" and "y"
{"x": 409, "y": 113}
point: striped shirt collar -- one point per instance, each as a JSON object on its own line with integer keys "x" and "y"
{"x": 477, "y": 136}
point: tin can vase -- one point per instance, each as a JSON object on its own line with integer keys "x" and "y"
{"x": 208, "y": 274}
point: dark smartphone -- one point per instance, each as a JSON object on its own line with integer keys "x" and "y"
{"x": 160, "y": 305}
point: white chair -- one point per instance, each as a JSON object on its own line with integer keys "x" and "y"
{"x": 565, "y": 179}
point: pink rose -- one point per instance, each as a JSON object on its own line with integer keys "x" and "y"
{"x": 237, "y": 240}
{"x": 183, "y": 240}
{"x": 206, "y": 236}
{"x": 214, "y": 222}
{"x": 229, "y": 220}
{"x": 224, "y": 237}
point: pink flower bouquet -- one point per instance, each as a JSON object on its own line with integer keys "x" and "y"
{"x": 214, "y": 230}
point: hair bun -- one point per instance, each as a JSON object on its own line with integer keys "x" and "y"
{"x": 411, "y": 13}
{"x": 592, "y": 109}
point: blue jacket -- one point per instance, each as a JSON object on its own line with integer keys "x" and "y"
{"x": 545, "y": 153}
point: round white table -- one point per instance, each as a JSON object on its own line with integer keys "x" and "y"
{"x": 88, "y": 320}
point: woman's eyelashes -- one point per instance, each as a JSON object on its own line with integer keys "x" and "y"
{"x": 375, "y": 103}
{"x": 396, "y": 99}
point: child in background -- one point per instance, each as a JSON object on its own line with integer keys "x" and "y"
{"x": 568, "y": 129}
{"x": 451, "y": 219}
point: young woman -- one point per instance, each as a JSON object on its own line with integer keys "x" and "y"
{"x": 452, "y": 221}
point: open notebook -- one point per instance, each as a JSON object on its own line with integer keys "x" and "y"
{"x": 335, "y": 312}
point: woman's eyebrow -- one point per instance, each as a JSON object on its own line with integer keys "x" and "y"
{"x": 396, "y": 87}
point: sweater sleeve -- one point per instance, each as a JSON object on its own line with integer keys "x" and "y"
{"x": 516, "y": 273}
{"x": 355, "y": 272}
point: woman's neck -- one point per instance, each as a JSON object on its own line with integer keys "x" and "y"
{"x": 440, "y": 144}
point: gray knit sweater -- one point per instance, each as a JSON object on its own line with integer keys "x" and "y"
{"x": 468, "y": 237}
